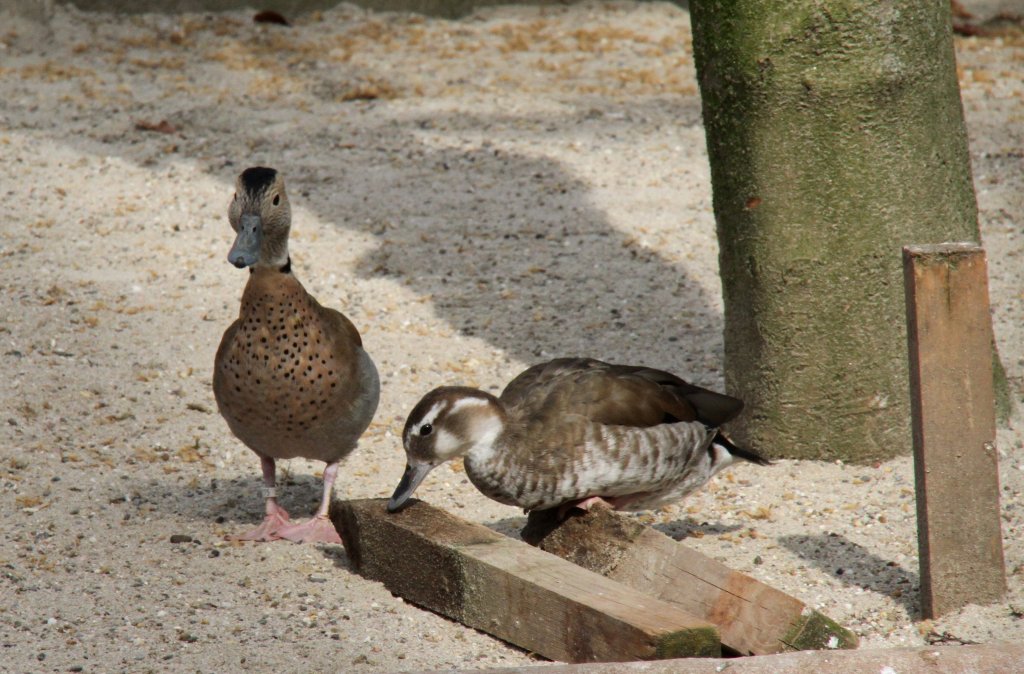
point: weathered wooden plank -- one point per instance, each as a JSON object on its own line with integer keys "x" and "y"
{"x": 949, "y": 332}
{"x": 516, "y": 592}
{"x": 979, "y": 659}
{"x": 753, "y": 618}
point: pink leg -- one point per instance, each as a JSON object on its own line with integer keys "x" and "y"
{"x": 276, "y": 517}
{"x": 587, "y": 504}
{"x": 584, "y": 504}
{"x": 621, "y": 502}
{"x": 319, "y": 529}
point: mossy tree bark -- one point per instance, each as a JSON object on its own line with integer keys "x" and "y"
{"x": 836, "y": 135}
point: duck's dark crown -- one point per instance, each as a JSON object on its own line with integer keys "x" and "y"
{"x": 258, "y": 178}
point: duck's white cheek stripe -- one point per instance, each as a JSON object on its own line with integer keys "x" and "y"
{"x": 445, "y": 444}
{"x": 469, "y": 402}
{"x": 490, "y": 429}
{"x": 432, "y": 413}
{"x": 486, "y": 432}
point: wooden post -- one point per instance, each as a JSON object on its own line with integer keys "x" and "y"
{"x": 753, "y": 618}
{"x": 513, "y": 591}
{"x": 949, "y": 332}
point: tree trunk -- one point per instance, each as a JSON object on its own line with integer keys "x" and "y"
{"x": 836, "y": 135}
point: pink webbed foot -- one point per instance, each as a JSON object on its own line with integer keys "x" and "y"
{"x": 319, "y": 529}
{"x": 276, "y": 519}
{"x": 276, "y": 516}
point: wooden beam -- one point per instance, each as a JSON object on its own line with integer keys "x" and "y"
{"x": 977, "y": 659}
{"x": 949, "y": 332}
{"x": 508, "y": 589}
{"x": 753, "y": 618}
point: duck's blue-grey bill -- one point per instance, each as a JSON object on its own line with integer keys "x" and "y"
{"x": 411, "y": 479}
{"x": 246, "y": 250}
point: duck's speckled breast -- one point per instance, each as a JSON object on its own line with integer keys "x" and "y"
{"x": 291, "y": 377}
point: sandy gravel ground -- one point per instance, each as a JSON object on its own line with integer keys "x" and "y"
{"x": 475, "y": 195}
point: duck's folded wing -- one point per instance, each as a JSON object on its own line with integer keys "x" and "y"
{"x": 620, "y": 395}
{"x": 534, "y": 384}
{"x": 709, "y": 407}
{"x": 340, "y": 326}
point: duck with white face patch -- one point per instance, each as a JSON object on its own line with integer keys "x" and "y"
{"x": 573, "y": 432}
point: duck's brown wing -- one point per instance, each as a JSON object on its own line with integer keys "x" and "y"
{"x": 708, "y": 407}
{"x": 340, "y": 327}
{"x": 221, "y": 363}
{"x": 619, "y": 395}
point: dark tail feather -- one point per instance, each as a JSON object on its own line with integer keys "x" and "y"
{"x": 738, "y": 452}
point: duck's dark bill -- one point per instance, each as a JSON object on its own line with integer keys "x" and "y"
{"x": 411, "y": 479}
{"x": 246, "y": 249}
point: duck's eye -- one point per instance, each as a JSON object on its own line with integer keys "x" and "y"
{"x": 277, "y": 199}
{"x": 426, "y": 429}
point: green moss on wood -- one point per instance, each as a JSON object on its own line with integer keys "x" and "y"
{"x": 691, "y": 643}
{"x": 816, "y": 631}
{"x": 1004, "y": 400}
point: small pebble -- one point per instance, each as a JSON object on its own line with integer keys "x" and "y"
{"x": 181, "y": 538}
